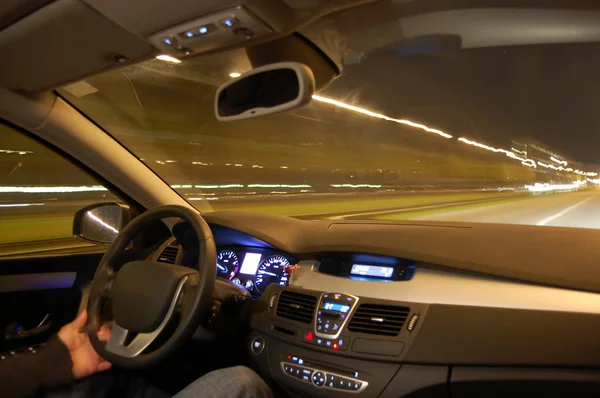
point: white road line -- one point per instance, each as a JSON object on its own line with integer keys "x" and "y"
{"x": 562, "y": 213}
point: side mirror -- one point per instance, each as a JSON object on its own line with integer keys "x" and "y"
{"x": 265, "y": 90}
{"x": 101, "y": 222}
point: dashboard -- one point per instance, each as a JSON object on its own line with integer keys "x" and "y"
{"x": 377, "y": 309}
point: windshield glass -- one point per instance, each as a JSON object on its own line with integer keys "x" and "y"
{"x": 473, "y": 114}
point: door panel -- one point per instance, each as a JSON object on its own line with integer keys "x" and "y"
{"x": 32, "y": 288}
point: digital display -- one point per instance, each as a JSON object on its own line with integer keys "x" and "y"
{"x": 333, "y": 306}
{"x": 372, "y": 270}
{"x": 250, "y": 264}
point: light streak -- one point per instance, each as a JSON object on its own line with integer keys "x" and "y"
{"x": 354, "y": 186}
{"x": 11, "y": 151}
{"x": 21, "y": 204}
{"x": 55, "y": 189}
{"x": 219, "y": 186}
{"x": 367, "y": 112}
{"x": 168, "y": 58}
{"x": 99, "y": 221}
{"x": 562, "y": 162}
{"x": 279, "y": 186}
{"x": 545, "y": 187}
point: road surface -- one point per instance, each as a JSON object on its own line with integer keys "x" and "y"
{"x": 575, "y": 209}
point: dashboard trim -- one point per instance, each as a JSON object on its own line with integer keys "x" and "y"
{"x": 442, "y": 287}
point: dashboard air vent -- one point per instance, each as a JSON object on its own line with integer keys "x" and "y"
{"x": 296, "y": 306}
{"x": 169, "y": 253}
{"x": 384, "y": 320}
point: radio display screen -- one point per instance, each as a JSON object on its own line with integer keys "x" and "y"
{"x": 372, "y": 270}
{"x": 333, "y": 306}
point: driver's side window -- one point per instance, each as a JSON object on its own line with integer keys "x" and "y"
{"x": 40, "y": 192}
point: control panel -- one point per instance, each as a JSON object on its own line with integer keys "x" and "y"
{"x": 323, "y": 378}
{"x": 333, "y": 313}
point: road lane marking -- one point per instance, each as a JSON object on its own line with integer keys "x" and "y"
{"x": 562, "y": 213}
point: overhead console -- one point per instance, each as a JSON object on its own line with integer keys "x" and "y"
{"x": 216, "y": 30}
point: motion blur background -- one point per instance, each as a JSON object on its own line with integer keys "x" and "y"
{"x": 426, "y": 127}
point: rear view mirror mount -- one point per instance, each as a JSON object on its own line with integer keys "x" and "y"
{"x": 265, "y": 90}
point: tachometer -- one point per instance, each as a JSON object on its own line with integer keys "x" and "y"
{"x": 272, "y": 270}
{"x": 227, "y": 264}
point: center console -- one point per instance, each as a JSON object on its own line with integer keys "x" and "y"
{"x": 330, "y": 344}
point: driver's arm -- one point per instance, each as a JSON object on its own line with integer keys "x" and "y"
{"x": 67, "y": 356}
{"x": 24, "y": 375}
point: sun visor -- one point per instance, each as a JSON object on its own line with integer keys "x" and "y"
{"x": 62, "y": 42}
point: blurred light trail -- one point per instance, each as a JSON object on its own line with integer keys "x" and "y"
{"x": 279, "y": 186}
{"x": 57, "y": 189}
{"x": 354, "y": 186}
{"x": 561, "y": 162}
{"x": 10, "y": 151}
{"x": 379, "y": 115}
{"x": 490, "y": 148}
{"x": 21, "y": 204}
{"x": 99, "y": 221}
{"x": 529, "y": 163}
{"x": 219, "y": 186}
{"x": 168, "y": 58}
{"x": 546, "y": 187}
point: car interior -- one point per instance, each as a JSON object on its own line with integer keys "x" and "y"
{"x": 329, "y": 307}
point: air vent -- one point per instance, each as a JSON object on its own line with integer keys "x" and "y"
{"x": 384, "y": 320}
{"x": 169, "y": 253}
{"x": 296, "y": 307}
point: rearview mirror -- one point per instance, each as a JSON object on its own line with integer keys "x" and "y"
{"x": 101, "y": 222}
{"x": 265, "y": 90}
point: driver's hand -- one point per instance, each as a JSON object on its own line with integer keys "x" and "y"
{"x": 85, "y": 360}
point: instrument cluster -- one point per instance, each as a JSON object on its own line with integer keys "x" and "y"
{"x": 254, "y": 268}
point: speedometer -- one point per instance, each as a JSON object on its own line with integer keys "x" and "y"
{"x": 227, "y": 264}
{"x": 272, "y": 270}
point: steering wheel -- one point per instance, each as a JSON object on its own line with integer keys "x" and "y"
{"x": 149, "y": 297}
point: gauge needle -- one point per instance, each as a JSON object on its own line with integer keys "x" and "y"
{"x": 223, "y": 269}
{"x": 268, "y": 273}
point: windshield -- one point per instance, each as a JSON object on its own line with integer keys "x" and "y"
{"x": 474, "y": 115}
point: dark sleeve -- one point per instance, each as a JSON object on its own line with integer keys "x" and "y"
{"x": 26, "y": 374}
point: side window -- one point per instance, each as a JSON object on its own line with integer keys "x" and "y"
{"x": 39, "y": 194}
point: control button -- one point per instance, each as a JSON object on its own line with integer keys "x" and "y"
{"x": 229, "y": 22}
{"x": 318, "y": 379}
{"x": 341, "y": 383}
{"x": 356, "y": 385}
{"x": 328, "y": 343}
{"x": 287, "y": 369}
{"x": 309, "y": 336}
{"x": 319, "y": 341}
{"x": 306, "y": 375}
{"x": 169, "y": 41}
{"x": 332, "y": 381}
{"x": 257, "y": 345}
{"x": 336, "y": 326}
{"x": 319, "y": 328}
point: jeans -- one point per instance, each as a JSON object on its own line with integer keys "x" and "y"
{"x": 235, "y": 382}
